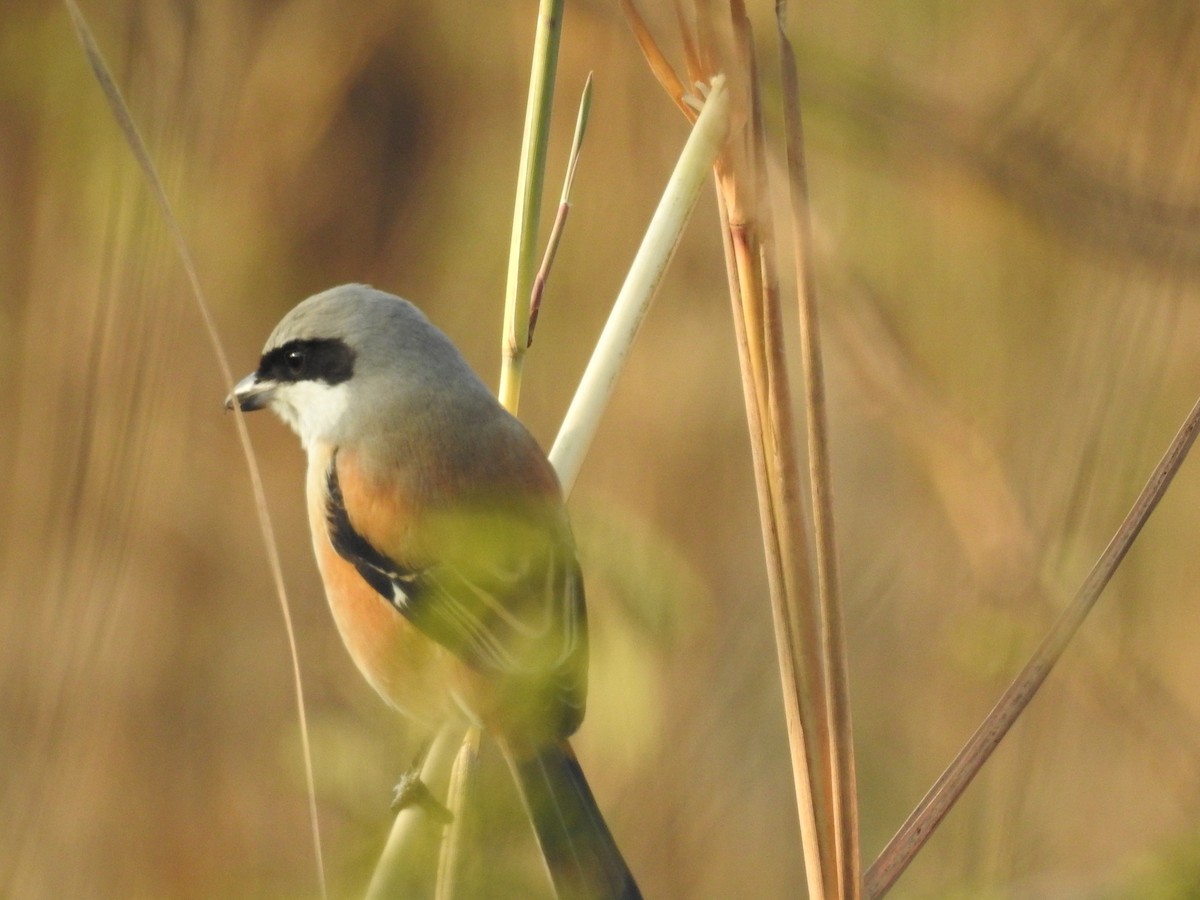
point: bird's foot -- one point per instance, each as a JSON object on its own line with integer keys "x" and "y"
{"x": 412, "y": 791}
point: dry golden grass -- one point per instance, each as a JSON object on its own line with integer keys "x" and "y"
{"x": 1007, "y": 198}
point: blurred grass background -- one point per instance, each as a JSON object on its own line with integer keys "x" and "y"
{"x": 1007, "y": 197}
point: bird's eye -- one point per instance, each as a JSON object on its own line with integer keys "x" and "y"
{"x": 295, "y": 361}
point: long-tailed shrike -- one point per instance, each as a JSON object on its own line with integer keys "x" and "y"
{"x": 444, "y": 546}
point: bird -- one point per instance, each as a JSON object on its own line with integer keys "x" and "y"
{"x": 448, "y": 561}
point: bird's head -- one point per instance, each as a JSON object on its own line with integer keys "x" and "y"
{"x": 349, "y": 358}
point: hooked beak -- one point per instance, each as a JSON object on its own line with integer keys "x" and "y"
{"x": 251, "y": 394}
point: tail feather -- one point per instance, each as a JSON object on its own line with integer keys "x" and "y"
{"x": 579, "y": 850}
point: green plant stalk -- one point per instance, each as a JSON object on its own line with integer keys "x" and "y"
{"x": 522, "y": 258}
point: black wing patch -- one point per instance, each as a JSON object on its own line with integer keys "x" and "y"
{"x": 390, "y": 580}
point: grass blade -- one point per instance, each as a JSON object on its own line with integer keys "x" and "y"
{"x": 564, "y": 206}
{"x": 120, "y": 111}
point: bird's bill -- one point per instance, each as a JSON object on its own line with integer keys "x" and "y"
{"x": 251, "y": 394}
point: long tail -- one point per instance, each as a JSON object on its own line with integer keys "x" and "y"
{"x": 578, "y": 848}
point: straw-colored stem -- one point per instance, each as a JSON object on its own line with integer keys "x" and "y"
{"x": 754, "y": 253}
{"x": 793, "y": 604}
{"x": 405, "y": 868}
{"x": 645, "y": 272}
{"x": 804, "y": 611}
{"x": 844, "y": 782}
{"x": 522, "y": 251}
{"x": 784, "y": 627}
{"x": 656, "y": 59}
{"x": 749, "y": 285}
{"x": 913, "y": 834}
{"x": 453, "y": 858}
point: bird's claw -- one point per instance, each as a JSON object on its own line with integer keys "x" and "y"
{"x": 411, "y": 791}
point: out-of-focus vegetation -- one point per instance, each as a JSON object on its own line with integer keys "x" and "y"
{"x": 1007, "y": 197}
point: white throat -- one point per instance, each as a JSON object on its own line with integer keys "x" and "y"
{"x": 311, "y": 408}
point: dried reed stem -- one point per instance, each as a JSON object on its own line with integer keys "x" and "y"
{"x": 917, "y": 829}
{"x": 844, "y": 782}
{"x": 786, "y": 630}
{"x": 725, "y": 40}
{"x": 796, "y": 612}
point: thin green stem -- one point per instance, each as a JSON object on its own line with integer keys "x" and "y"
{"x": 522, "y": 251}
